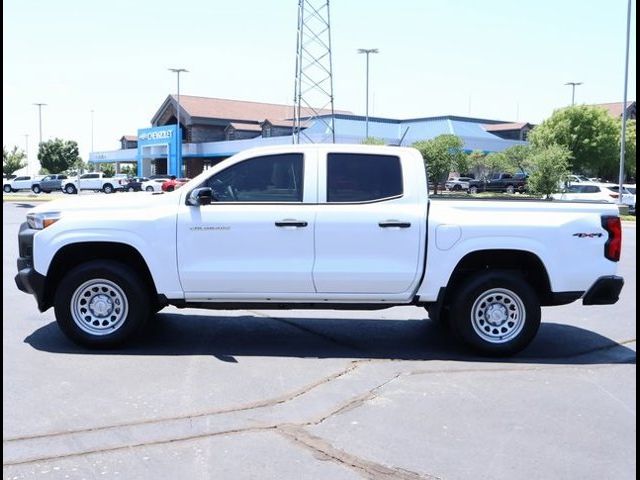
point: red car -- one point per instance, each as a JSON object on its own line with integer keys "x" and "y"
{"x": 171, "y": 185}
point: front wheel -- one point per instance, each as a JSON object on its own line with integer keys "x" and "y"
{"x": 510, "y": 189}
{"x": 36, "y": 189}
{"x": 107, "y": 188}
{"x": 70, "y": 189}
{"x": 7, "y": 189}
{"x": 131, "y": 189}
{"x": 101, "y": 303}
{"x": 473, "y": 190}
{"x": 496, "y": 313}
{"x": 149, "y": 189}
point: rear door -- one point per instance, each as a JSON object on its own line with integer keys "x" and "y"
{"x": 369, "y": 225}
{"x": 22, "y": 183}
{"x": 89, "y": 181}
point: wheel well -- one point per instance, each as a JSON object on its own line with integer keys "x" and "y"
{"x": 75, "y": 254}
{"x": 526, "y": 264}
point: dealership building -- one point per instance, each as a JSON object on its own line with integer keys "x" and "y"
{"x": 212, "y": 129}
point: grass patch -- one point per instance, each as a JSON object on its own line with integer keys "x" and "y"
{"x": 628, "y": 218}
{"x": 28, "y": 198}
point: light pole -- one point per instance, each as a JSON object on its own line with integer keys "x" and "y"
{"x": 624, "y": 107}
{"x": 367, "y": 51}
{"x": 178, "y": 71}
{"x": 26, "y": 150}
{"x": 573, "y": 91}
{"x": 91, "y": 131}
{"x": 40, "y": 105}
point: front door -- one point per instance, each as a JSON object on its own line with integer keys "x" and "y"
{"x": 256, "y": 237}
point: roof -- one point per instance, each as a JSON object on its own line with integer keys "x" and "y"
{"x": 236, "y": 110}
{"x": 249, "y": 127}
{"x": 501, "y": 127}
{"x": 614, "y": 108}
{"x": 129, "y": 138}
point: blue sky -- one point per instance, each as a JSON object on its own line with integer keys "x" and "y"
{"x": 499, "y": 59}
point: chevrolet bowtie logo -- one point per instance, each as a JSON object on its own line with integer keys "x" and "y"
{"x": 587, "y": 235}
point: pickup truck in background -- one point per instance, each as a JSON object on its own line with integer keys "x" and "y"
{"x": 48, "y": 183}
{"x": 21, "y": 182}
{"x": 317, "y": 226}
{"x": 500, "y": 182}
{"x": 90, "y": 181}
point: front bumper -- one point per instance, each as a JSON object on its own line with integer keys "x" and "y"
{"x": 27, "y": 279}
{"x": 604, "y": 291}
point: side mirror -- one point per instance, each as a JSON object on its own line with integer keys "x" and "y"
{"x": 200, "y": 196}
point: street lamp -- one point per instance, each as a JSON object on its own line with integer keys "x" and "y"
{"x": 91, "y": 131}
{"x": 367, "y": 51}
{"x": 40, "y": 105}
{"x": 573, "y": 91}
{"x": 178, "y": 71}
{"x": 624, "y": 107}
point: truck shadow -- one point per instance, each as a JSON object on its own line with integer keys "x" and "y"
{"x": 229, "y": 337}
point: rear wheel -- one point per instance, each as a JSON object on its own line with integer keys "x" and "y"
{"x": 473, "y": 189}
{"x": 101, "y": 303}
{"x": 36, "y": 189}
{"x": 510, "y": 189}
{"x": 107, "y": 188}
{"x": 496, "y": 313}
{"x": 149, "y": 189}
{"x": 131, "y": 189}
{"x": 7, "y": 189}
{"x": 457, "y": 187}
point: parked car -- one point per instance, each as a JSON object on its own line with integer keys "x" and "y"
{"x": 48, "y": 183}
{"x": 89, "y": 181}
{"x": 22, "y": 182}
{"x": 153, "y": 185}
{"x": 162, "y": 176}
{"x": 500, "y": 182}
{"x": 173, "y": 184}
{"x": 133, "y": 184}
{"x": 604, "y": 192}
{"x": 458, "y": 183}
{"x": 362, "y": 233}
{"x": 577, "y": 179}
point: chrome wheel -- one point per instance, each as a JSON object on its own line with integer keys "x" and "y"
{"x": 99, "y": 307}
{"x": 498, "y": 315}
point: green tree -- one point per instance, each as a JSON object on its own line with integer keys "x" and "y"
{"x": 373, "y": 141}
{"x": 79, "y": 166}
{"x": 440, "y": 154}
{"x": 629, "y": 148}
{"x": 518, "y": 157}
{"x": 58, "y": 155}
{"x": 108, "y": 170}
{"x": 549, "y": 169}
{"x": 498, "y": 162}
{"x": 588, "y": 132}
{"x": 12, "y": 160}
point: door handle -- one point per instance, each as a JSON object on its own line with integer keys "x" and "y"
{"x": 394, "y": 223}
{"x": 291, "y": 223}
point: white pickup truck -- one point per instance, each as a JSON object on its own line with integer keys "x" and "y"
{"x": 317, "y": 226}
{"x": 90, "y": 181}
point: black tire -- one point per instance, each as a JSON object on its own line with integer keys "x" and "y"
{"x": 36, "y": 189}
{"x": 507, "y": 295}
{"x": 7, "y": 189}
{"x": 71, "y": 189}
{"x": 138, "y": 303}
{"x": 149, "y": 189}
{"x": 107, "y": 188}
{"x": 457, "y": 187}
{"x": 511, "y": 189}
{"x": 473, "y": 190}
{"x": 131, "y": 189}
{"x": 170, "y": 189}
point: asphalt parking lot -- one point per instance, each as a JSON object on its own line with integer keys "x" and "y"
{"x": 328, "y": 395}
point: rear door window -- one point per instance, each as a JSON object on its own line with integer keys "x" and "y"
{"x": 355, "y": 177}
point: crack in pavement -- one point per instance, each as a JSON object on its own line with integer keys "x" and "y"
{"x": 325, "y": 451}
{"x": 251, "y": 406}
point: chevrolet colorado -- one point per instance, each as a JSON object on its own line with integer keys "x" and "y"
{"x": 317, "y": 226}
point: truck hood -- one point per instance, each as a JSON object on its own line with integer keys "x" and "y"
{"x": 102, "y": 202}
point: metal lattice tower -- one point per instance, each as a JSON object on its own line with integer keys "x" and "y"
{"x": 313, "y": 96}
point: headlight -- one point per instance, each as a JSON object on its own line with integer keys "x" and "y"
{"x": 38, "y": 221}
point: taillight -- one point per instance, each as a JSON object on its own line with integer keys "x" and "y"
{"x": 613, "y": 245}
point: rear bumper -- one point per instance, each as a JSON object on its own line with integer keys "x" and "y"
{"x": 604, "y": 291}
